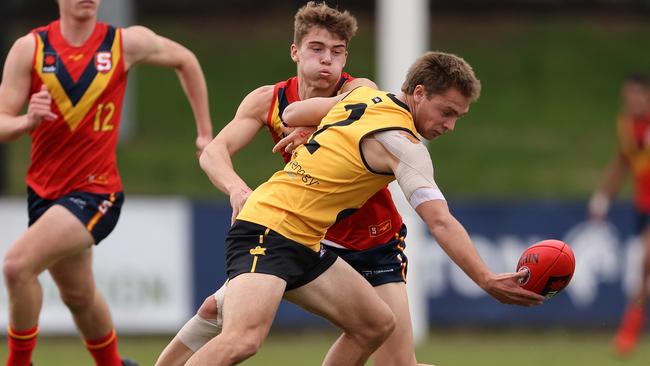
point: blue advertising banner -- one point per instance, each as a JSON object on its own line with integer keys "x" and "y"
{"x": 607, "y": 263}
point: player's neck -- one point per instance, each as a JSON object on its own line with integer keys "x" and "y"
{"x": 408, "y": 100}
{"x": 306, "y": 91}
{"x": 76, "y": 32}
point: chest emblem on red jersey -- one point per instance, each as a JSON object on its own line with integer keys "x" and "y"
{"x": 103, "y": 61}
{"x": 49, "y": 62}
{"x": 382, "y": 228}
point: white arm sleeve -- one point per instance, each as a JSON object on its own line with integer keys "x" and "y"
{"x": 414, "y": 172}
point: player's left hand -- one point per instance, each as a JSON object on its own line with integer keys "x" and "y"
{"x": 237, "y": 199}
{"x": 201, "y": 143}
{"x": 297, "y": 137}
{"x": 505, "y": 288}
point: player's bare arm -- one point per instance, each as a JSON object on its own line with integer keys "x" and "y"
{"x": 14, "y": 93}
{"x": 216, "y": 159}
{"x": 408, "y": 159}
{"x": 303, "y": 117}
{"x": 141, "y": 45}
{"x": 355, "y": 83}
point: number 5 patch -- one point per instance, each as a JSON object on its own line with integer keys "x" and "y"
{"x": 103, "y": 61}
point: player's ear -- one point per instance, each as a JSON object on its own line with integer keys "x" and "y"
{"x": 419, "y": 93}
{"x": 294, "y": 52}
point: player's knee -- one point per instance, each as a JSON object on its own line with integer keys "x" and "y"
{"x": 208, "y": 309}
{"x": 244, "y": 346}
{"x": 387, "y": 325}
{"x": 381, "y": 327}
{"x": 77, "y": 299}
{"x": 15, "y": 270}
{"x": 248, "y": 348}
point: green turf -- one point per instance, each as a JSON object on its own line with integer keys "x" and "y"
{"x": 542, "y": 128}
{"x": 450, "y": 348}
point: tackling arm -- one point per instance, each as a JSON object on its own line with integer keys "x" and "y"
{"x": 216, "y": 159}
{"x": 309, "y": 112}
{"x": 141, "y": 45}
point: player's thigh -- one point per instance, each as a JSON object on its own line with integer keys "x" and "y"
{"x": 55, "y": 235}
{"x": 253, "y": 300}
{"x": 343, "y": 297}
{"x": 398, "y": 349}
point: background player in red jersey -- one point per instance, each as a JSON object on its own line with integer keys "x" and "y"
{"x": 633, "y": 154}
{"x": 72, "y": 74}
{"x": 371, "y": 240}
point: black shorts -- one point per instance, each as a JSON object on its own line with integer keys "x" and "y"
{"x": 642, "y": 221}
{"x": 98, "y": 212}
{"x": 379, "y": 265}
{"x": 252, "y": 248}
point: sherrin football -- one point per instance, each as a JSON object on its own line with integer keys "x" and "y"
{"x": 550, "y": 265}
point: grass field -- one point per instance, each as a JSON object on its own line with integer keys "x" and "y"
{"x": 454, "y": 348}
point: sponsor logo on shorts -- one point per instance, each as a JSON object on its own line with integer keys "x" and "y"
{"x": 376, "y": 230}
{"x": 104, "y": 206}
{"x": 376, "y": 272}
{"x": 258, "y": 250}
{"x": 81, "y": 203}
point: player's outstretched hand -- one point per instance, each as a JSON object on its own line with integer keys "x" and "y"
{"x": 40, "y": 108}
{"x": 505, "y": 288}
{"x": 237, "y": 199}
{"x": 297, "y": 137}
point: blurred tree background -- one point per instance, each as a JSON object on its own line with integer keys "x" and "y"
{"x": 543, "y": 128}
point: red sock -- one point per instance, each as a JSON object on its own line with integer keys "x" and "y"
{"x": 104, "y": 350}
{"x": 21, "y": 343}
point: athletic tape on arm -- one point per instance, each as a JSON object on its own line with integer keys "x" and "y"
{"x": 414, "y": 172}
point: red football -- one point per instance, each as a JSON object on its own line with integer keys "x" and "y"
{"x": 550, "y": 265}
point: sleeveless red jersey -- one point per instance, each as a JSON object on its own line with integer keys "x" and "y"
{"x": 634, "y": 142}
{"x": 377, "y": 221}
{"x": 77, "y": 152}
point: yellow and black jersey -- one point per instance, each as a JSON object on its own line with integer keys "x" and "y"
{"x": 328, "y": 176}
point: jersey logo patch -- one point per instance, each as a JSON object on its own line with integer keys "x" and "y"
{"x": 376, "y": 230}
{"x": 103, "y": 61}
{"x": 50, "y": 61}
{"x": 376, "y": 100}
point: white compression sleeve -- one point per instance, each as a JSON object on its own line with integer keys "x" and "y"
{"x": 414, "y": 172}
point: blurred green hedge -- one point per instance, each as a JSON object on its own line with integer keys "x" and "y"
{"x": 543, "y": 127}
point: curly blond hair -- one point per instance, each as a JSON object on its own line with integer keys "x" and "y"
{"x": 342, "y": 24}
